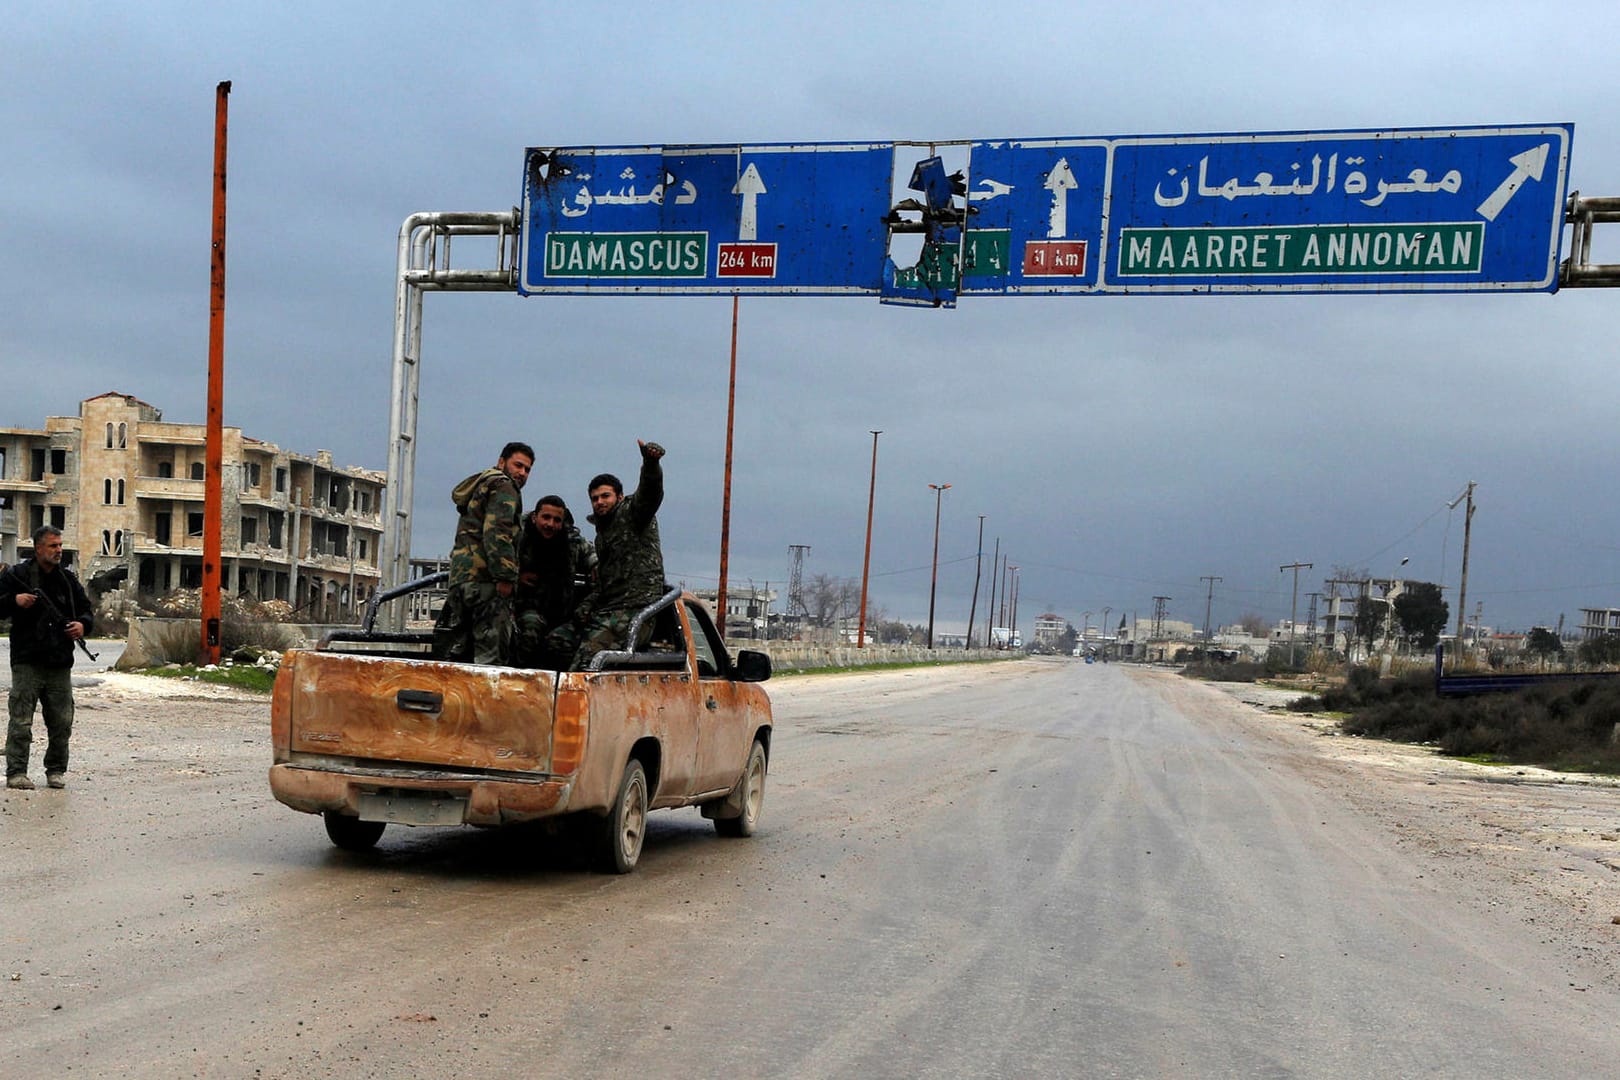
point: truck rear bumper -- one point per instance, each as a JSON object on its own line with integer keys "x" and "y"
{"x": 487, "y": 801}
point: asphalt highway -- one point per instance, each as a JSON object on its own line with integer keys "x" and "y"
{"x": 1022, "y": 869}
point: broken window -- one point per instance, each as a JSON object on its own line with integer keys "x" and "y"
{"x": 58, "y": 462}
{"x": 250, "y": 530}
{"x": 194, "y": 524}
{"x": 196, "y": 470}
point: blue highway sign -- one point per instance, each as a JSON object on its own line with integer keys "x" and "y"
{"x": 1455, "y": 209}
{"x": 781, "y": 218}
{"x": 1398, "y": 210}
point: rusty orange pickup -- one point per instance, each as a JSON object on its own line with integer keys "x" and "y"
{"x": 369, "y": 740}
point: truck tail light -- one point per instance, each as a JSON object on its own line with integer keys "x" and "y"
{"x": 281, "y": 703}
{"x": 568, "y": 731}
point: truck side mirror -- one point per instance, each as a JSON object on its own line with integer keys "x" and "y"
{"x": 752, "y": 666}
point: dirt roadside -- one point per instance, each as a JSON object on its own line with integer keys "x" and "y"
{"x": 1540, "y": 846}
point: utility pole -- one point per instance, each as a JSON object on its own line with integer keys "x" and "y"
{"x": 1293, "y": 606}
{"x": 214, "y": 448}
{"x": 1462, "y": 590}
{"x": 978, "y": 565}
{"x": 866, "y": 566}
{"x": 1005, "y": 590}
{"x": 990, "y": 597}
{"x": 1310, "y": 621}
{"x": 1209, "y": 603}
{"x": 1106, "y": 610}
{"x": 1014, "y": 623}
{"x": 1158, "y": 615}
{"x": 933, "y": 577}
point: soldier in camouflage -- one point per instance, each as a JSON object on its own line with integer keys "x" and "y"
{"x": 476, "y": 621}
{"x": 556, "y": 571}
{"x": 630, "y": 560}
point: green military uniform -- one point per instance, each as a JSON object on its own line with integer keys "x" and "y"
{"x": 41, "y": 662}
{"x": 476, "y": 621}
{"x": 629, "y": 566}
{"x": 563, "y": 569}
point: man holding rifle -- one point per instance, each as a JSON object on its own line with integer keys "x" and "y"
{"x": 49, "y": 614}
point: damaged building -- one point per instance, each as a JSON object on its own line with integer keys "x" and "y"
{"x": 126, "y": 489}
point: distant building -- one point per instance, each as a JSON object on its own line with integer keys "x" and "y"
{"x": 1049, "y": 629}
{"x": 748, "y": 610}
{"x": 126, "y": 489}
{"x": 1599, "y": 622}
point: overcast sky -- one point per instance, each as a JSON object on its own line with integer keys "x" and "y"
{"x": 1118, "y": 447}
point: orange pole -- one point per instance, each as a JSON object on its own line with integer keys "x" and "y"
{"x": 213, "y": 515}
{"x": 725, "y": 508}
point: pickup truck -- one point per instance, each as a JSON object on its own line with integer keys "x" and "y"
{"x": 367, "y": 732}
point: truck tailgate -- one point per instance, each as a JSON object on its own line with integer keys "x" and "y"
{"x": 456, "y": 716}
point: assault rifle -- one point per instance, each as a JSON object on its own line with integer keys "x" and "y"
{"x": 56, "y": 613}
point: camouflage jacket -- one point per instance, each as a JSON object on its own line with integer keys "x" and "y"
{"x": 487, "y": 533}
{"x": 630, "y": 560}
{"x": 564, "y": 568}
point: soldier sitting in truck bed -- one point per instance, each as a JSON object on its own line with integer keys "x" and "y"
{"x": 556, "y": 571}
{"x": 630, "y": 559}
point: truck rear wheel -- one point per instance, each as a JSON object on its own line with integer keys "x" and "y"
{"x": 352, "y": 834}
{"x": 626, "y": 824}
{"x": 753, "y": 796}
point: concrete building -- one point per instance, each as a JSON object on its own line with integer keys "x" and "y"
{"x": 127, "y": 489}
{"x": 1599, "y": 622}
{"x": 1049, "y": 628}
{"x": 748, "y": 610}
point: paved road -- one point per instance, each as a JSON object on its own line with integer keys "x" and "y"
{"x": 107, "y": 652}
{"x": 1030, "y": 869}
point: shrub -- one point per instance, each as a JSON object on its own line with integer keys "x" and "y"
{"x": 1568, "y": 725}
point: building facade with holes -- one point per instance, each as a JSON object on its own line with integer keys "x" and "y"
{"x": 126, "y": 488}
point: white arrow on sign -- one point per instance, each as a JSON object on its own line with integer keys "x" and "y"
{"x": 1060, "y": 181}
{"x": 750, "y": 187}
{"x": 1526, "y": 166}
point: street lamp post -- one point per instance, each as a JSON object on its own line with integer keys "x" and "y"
{"x": 933, "y": 580}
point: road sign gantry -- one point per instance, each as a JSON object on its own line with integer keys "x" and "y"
{"x": 1398, "y": 210}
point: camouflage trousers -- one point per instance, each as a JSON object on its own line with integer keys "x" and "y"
{"x": 475, "y": 625}
{"x": 52, "y": 689}
{"x": 540, "y": 645}
{"x": 602, "y": 631}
